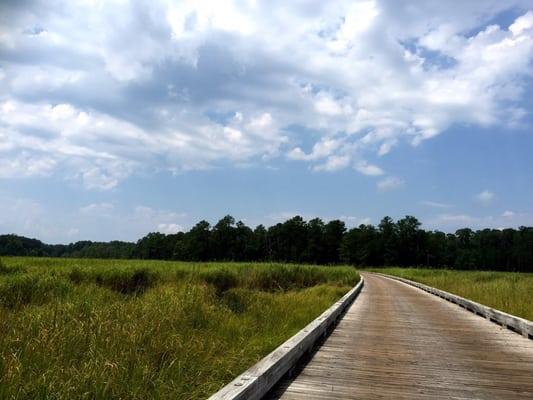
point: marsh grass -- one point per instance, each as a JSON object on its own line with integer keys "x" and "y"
{"x": 5, "y": 270}
{"x": 100, "y": 329}
{"x": 510, "y": 292}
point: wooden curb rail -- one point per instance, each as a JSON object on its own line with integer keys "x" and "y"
{"x": 259, "y": 379}
{"x": 514, "y": 323}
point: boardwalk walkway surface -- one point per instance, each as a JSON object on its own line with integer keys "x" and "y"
{"x": 398, "y": 342}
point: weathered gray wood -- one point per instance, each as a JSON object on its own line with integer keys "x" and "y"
{"x": 517, "y": 324}
{"x": 399, "y": 342}
{"x": 259, "y": 379}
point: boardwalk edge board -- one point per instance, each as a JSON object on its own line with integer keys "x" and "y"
{"x": 512, "y": 322}
{"x": 259, "y": 379}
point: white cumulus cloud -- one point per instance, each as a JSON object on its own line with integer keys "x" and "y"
{"x": 100, "y": 92}
{"x": 390, "y": 183}
{"x": 169, "y": 228}
{"x": 485, "y": 197}
{"x": 368, "y": 169}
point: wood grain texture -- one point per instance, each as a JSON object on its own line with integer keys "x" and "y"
{"x": 255, "y": 382}
{"x": 398, "y": 342}
{"x": 517, "y": 324}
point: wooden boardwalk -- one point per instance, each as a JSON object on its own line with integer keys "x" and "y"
{"x": 398, "y": 342}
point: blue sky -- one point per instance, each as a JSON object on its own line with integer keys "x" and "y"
{"x": 119, "y": 118}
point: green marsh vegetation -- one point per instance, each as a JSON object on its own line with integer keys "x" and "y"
{"x": 510, "y": 292}
{"x": 98, "y": 329}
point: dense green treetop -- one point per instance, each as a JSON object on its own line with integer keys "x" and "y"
{"x": 401, "y": 243}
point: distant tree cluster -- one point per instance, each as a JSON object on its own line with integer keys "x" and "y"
{"x": 401, "y": 243}
{"x": 13, "y": 245}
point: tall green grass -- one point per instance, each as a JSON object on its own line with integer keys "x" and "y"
{"x": 100, "y": 329}
{"x": 511, "y": 292}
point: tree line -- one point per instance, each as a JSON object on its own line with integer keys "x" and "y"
{"x": 401, "y": 243}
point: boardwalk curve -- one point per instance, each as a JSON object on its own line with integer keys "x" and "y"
{"x": 397, "y": 341}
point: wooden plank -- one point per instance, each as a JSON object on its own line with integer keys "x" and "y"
{"x": 516, "y": 324}
{"x": 259, "y": 379}
{"x": 399, "y": 342}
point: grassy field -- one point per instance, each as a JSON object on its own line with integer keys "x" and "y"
{"x": 96, "y": 329}
{"x": 511, "y": 292}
